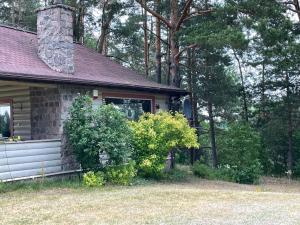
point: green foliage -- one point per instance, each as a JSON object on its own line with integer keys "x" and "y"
{"x": 5, "y": 125}
{"x": 239, "y": 145}
{"x": 40, "y": 184}
{"x": 114, "y": 135}
{"x": 91, "y": 132}
{"x": 121, "y": 174}
{"x": 247, "y": 175}
{"x": 92, "y": 179}
{"x": 203, "y": 171}
{"x": 297, "y": 170}
{"x": 24, "y": 15}
{"x": 239, "y": 148}
{"x": 154, "y": 135}
{"x": 81, "y": 134}
{"x": 178, "y": 174}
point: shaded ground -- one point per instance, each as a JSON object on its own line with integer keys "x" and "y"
{"x": 195, "y": 202}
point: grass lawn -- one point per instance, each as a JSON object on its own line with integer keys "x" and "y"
{"x": 193, "y": 202}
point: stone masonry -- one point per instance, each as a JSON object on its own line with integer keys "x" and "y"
{"x": 55, "y": 37}
{"x": 45, "y": 113}
{"x": 49, "y": 111}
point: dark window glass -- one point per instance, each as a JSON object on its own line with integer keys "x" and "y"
{"x": 5, "y": 109}
{"x": 133, "y": 108}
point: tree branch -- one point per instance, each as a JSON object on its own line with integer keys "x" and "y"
{"x": 293, "y": 10}
{"x": 184, "y": 14}
{"x": 199, "y": 13}
{"x": 155, "y": 14}
{"x": 187, "y": 47}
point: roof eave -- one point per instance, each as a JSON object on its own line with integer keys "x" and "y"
{"x": 39, "y": 78}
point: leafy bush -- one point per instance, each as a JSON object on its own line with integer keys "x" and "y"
{"x": 239, "y": 148}
{"x": 151, "y": 167}
{"x": 114, "y": 134}
{"x": 92, "y": 179}
{"x": 247, "y": 175}
{"x": 80, "y": 134}
{"x": 203, "y": 171}
{"x": 154, "y": 135}
{"x": 121, "y": 174}
{"x": 297, "y": 169}
{"x": 225, "y": 173}
{"x": 91, "y": 132}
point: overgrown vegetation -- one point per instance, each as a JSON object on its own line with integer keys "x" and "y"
{"x": 247, "y": 175}
{"x": 121, "y": 174}
{"x": 92, "y": 179}
{"x": 93, "y": 132}
{"x": 155, "y": 135}
{"x": 101, "y": 131}
{"x": 239, "y": 60}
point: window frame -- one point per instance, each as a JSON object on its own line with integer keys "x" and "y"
{"x": 10, "y": 102}
{"x": 130, "y": 96}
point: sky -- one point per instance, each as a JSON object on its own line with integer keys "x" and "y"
{"x": 4, "y": 108}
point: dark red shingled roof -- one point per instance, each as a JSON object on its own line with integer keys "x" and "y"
{"x": 19, "y": 60}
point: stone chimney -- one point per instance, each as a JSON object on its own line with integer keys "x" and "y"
{"x": 55, "y": 36}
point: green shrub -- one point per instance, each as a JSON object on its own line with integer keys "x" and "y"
{"x": 297, "y": 169}
{"x": 121, "y": 174}
{"x": 92, "y": 132}
{"x": 226, "y": 173}
{"x": 92, "y": 179}
{"x": 203, "y": 171}
{"x": 177, "y": 175}
{"x": 239, "y": 146}
{"x": 239, "y": 150}
{"x": 154, "y": 135}
{"x": 247, "y": 175}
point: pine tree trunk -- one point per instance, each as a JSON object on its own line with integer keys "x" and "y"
{"x": 158, "y": 44}
{"x": 290, "y": 126}
{"x": 297, "y": 7}
{"x": 81, "y": 21}
{"x": 145, "y": 27}
{"x": 101, "y": 40}
{"x": 20, "y": 11}
{"x": 263, "y": 96}
{"x": 212, "y": 134}
{"x": 105, "y": 25}
{"x": 174, "y": 67}
{"x": 13, "y": 14}
{"x": 193, "y": 98}
{"x": 245, "y": 104}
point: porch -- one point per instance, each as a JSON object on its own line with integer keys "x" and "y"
{"x": 29, "y": 159}
{"x": 32, "y": 116}
{"x": 31, "y": 127}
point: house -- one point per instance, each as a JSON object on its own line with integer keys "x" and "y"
{"x": 40, "y": 75}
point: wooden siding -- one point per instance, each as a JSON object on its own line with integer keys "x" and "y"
{"x": 21, "y": 108}
{"x": 30, "y": 158}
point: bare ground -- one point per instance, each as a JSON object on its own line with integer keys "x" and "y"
{"x": 275, "y": 201}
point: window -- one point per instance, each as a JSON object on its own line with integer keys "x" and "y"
{"x": 132, "y": 106}
{"x": 5, "y": 119}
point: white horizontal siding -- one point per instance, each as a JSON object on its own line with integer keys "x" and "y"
{"x": 29, "y": 158}
{"x": 20, "y": 96}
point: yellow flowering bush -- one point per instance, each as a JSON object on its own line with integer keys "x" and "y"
{"x": 92, "y": 179}
{"x": 121, "y": 174}
{"x": 154, "y": 135}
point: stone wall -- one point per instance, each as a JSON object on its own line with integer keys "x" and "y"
{"x": 55, "y": 37}
{"x": 67, "y": 95}
{"x": 50, "y": 109}
{"x": 45, "y": 113}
